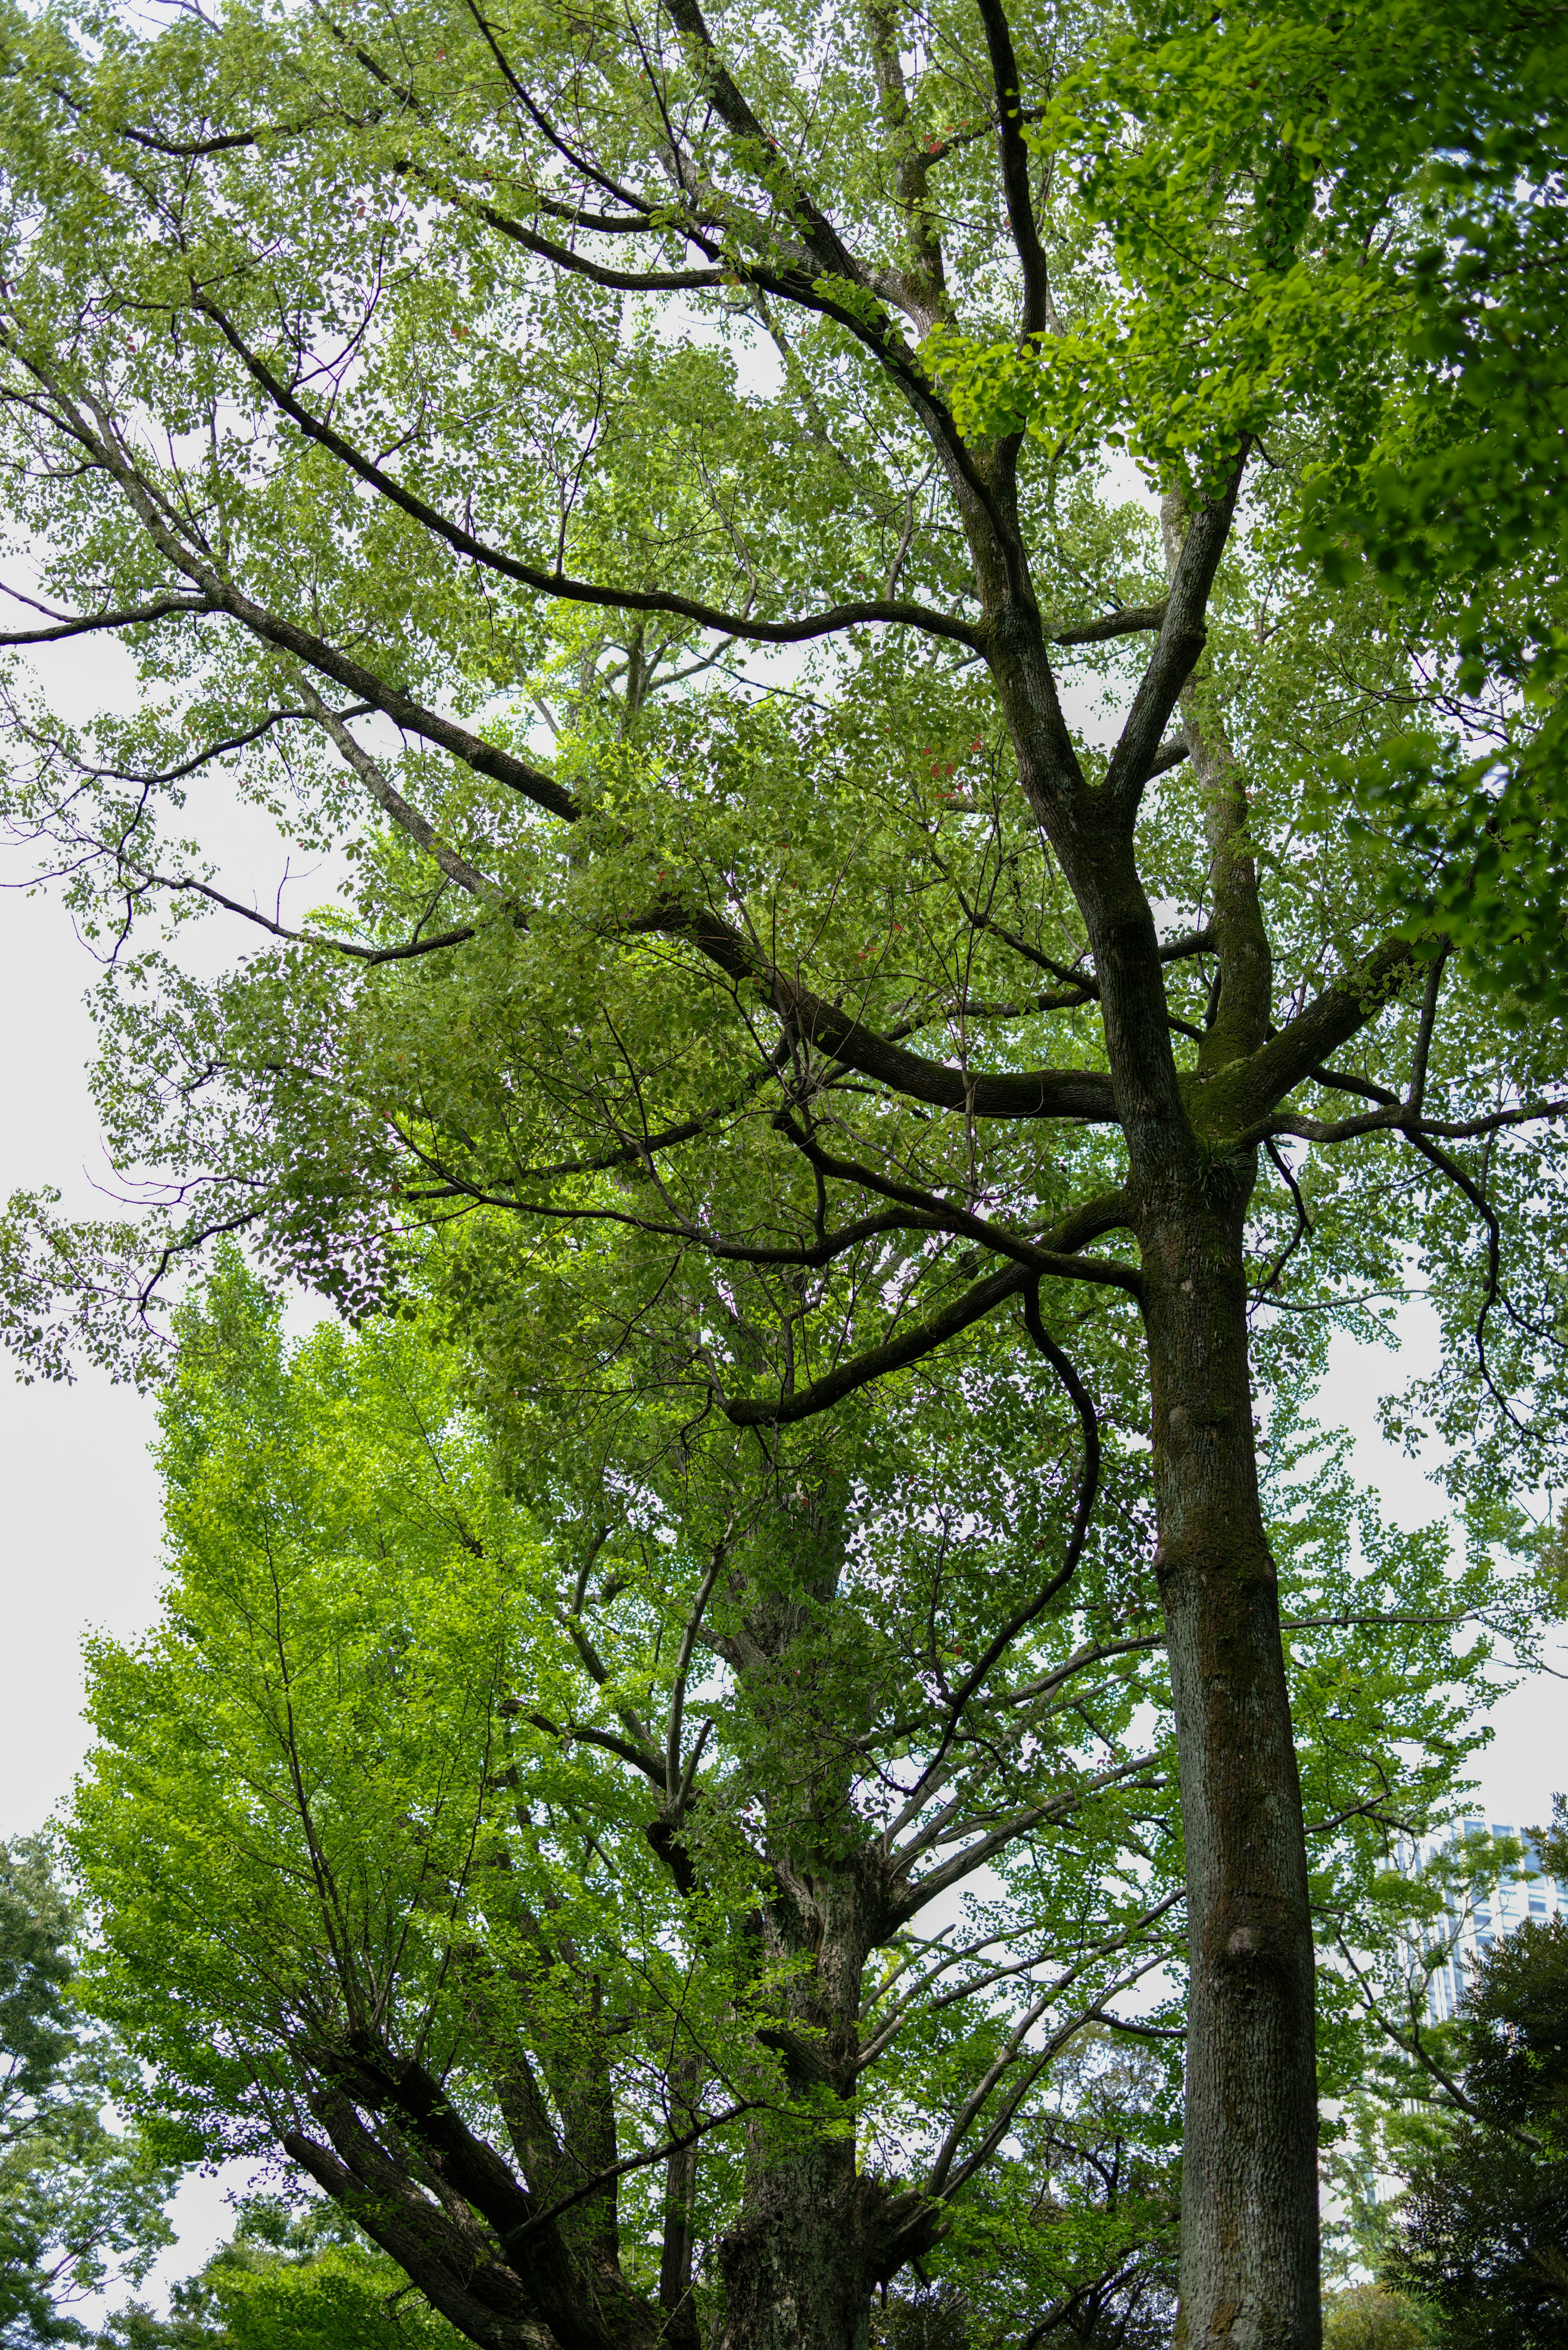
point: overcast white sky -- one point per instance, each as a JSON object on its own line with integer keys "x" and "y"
{"x": 81, "y": 1516}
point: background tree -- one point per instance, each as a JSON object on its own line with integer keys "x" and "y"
{"x": 1482, "y": 2231}
{"x": 455, "y": 1831}
{"x": 501, "y": 386}
{"x": 1093, "y": 2258}
{"x": 1370, "y": 2317}
{"x": 288, "y": 2279}
{"x": 81, "y": 2204}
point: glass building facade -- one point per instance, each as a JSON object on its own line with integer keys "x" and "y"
{"x": 1474, "y": 1919}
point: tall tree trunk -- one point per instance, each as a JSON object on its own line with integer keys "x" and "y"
{"x": 1250, "y": 2261}
{"x": 797, "y": 2266}
{"x": 801, "y": 2261}
{"x": 1250, "y": 2243}
{"x": 1249, "y": 2239}
{"x": 675, "y": 2292}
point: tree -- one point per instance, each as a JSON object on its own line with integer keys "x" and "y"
{"x": 1482, "y": 2231}
{"x": 79, "y": 2202}
{"x": 758, "y": 1039}
{"x": 1104, "y": 2154}
{"x": 287, "y": 2279}
{"x": 1370, "y": 2317}
{"x": 453, "y": 1831}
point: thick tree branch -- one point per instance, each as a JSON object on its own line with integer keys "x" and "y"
{"x": 630, "y": 2163}
{"x": 1252, "y": 1089}
{"x": 916, "y": 1339}
{"x": 1037, "y": 1093}
{"x": 812, "y": 1254}
{"x": 922, "y": 297}
{"x": 220, "y": 598}
{"x": 907, "y": 1346}
{"x": 1341, "y": 1081}
{"x": 1179, "y": 950}
{"x": 1131, "y": 619}
{"x": 1397, "y": 1119}
{"x": 385, "y": 793}
{"x": 484, "y": 2300}
{"x": 562, "y": 256}
{"x": 946, "y": 1214}
{"x": 831, "y": 258}
{"x": 129, "y": 616}
{"x": 1015, "y": 161}
{"x": 558, "y": 584}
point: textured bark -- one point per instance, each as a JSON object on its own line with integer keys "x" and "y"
{"x": 796, "y": 2270}
{"x": 813, "y": 2239}
{"x": 1250, "y": 2252}
{"x": 1249, "y": 2249}
{"x": 1250, "y": 2257}
{"x": 675, "y": 2294}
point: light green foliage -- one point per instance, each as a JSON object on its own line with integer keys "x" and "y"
{"x": 81, "y": 2203}
{"x": 1370, "y": 2317}
{"x": 1344, "y": 233}
{"x": 1238, "y": 300}
{"x": 288, "y": 2279}
{"x": 372, "y": 1773}
{"x": 384, "y": 1769}
{"x": 329, "y": 1732}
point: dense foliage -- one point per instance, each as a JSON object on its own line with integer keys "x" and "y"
{"x": 287, "y": 2279}
{"x": 1370, "y": 2317}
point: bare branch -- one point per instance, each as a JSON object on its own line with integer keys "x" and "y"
{"x": 1182, "y": 634}
{"x": 1032, "y": 1608}
{"x": 411, "y": 948}
{"x": 1015, "y": 160}
{"x": 1129, "y": 620}
{"x": 1006, "y": 1832}
{"x": 162, "y": 608}
{"x": 1397, "y": 1119}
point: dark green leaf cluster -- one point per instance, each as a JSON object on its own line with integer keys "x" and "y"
{"x": 1481, "y": 2233}
{"x": 81, "y": 2202}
